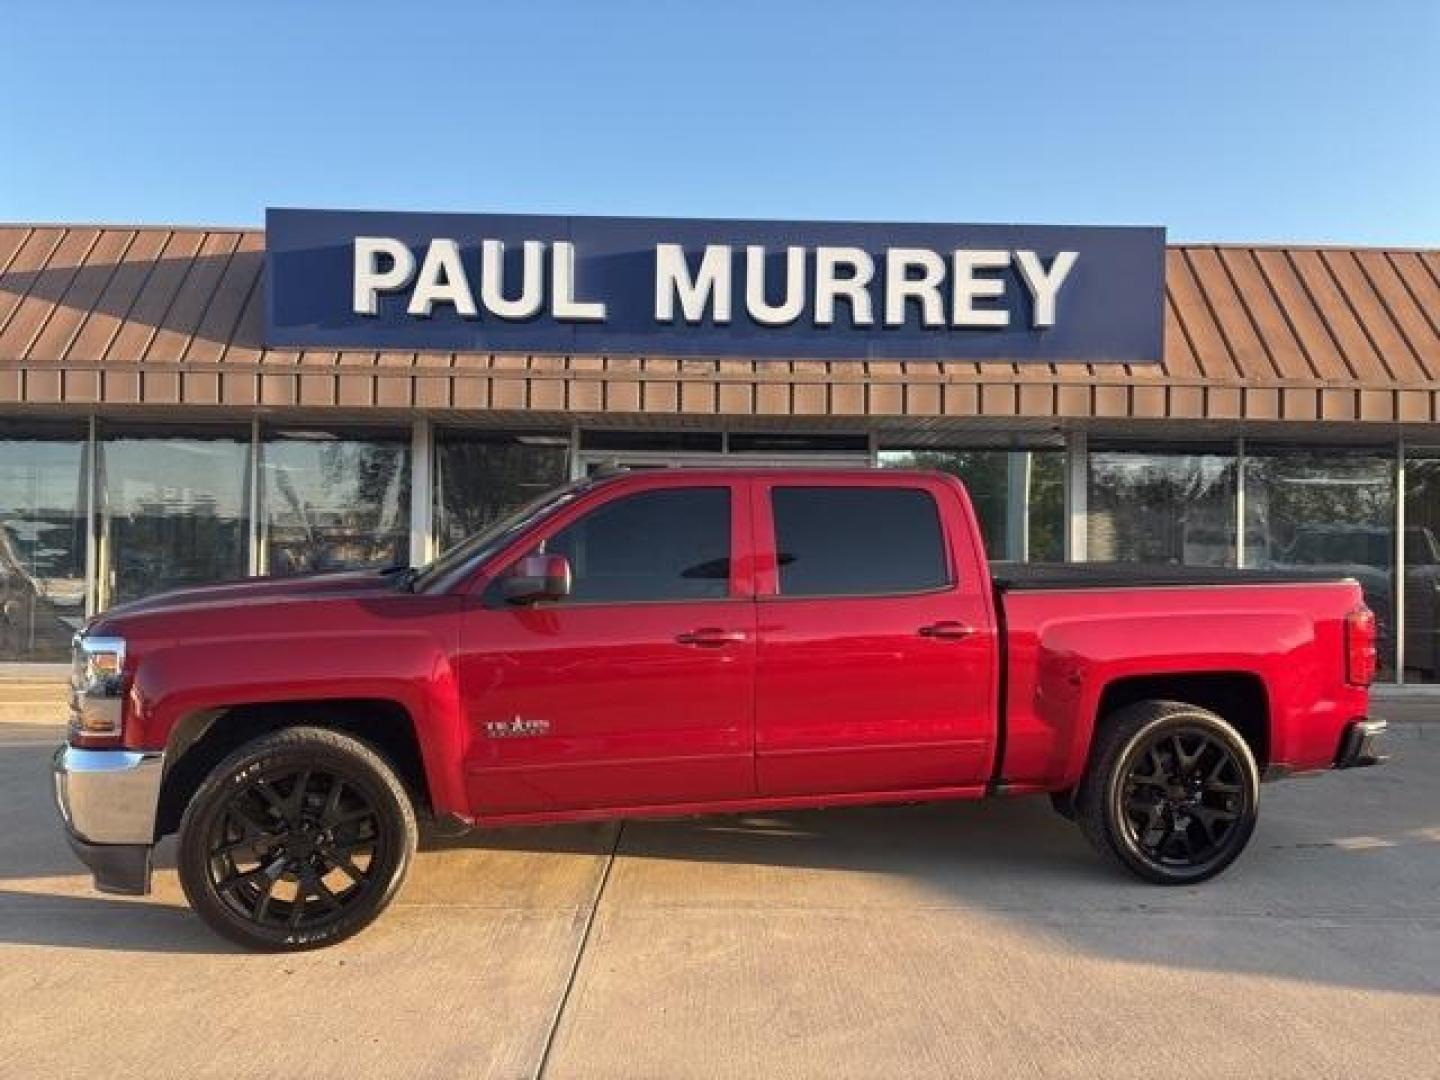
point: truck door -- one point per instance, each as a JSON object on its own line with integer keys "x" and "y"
{"x": 638, "y": 688}
{"x": 877, "y": 652}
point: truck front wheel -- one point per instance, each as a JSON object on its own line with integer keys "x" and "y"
{"x": 1172, "y": 792}
{"x": 296, "y": 840}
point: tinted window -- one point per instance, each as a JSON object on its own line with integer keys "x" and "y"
{"x": 836, "y": 541}
{"x": 657, "y": 545}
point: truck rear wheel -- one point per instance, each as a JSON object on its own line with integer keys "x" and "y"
{"x": 1172, "y": 792}
{"x": 298, "y": 839}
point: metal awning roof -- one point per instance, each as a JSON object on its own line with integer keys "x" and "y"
{"x": 151, "y": 317}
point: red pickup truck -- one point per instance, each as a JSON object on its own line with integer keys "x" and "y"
{"x": 691, "y": 641}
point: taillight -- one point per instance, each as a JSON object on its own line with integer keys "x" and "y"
{"x": 1360, "y": 655}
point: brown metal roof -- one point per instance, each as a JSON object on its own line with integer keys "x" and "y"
{"x": 154, "y": 316}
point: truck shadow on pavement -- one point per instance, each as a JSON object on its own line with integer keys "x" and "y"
{"x": 67, "y": 921}
{"x": 1341, "y": 884}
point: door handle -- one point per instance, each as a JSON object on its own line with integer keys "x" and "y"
{"x": 711, "y": 637}
{"x": 947, "y": 630}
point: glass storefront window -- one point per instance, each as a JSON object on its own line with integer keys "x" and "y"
{"x": 1176, "y": 508}
{"x": 1046, "y": 506}
{"x": 334, "y": 500}
{"x": 172, "y": 511}
{"x": 1422, "y": 565}
{"x": 1327, "y": 509}
{"x": 1035, "y": 478}
{"x": 42, "y": 541}
{"x": 481, "y": 478}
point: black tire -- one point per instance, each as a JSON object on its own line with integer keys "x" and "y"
{"x": 1063, "y": 803}
{"x": 1172, "y": 792}
{"x": 298, "y": 839}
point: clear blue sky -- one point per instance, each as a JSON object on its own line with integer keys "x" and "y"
{"x": 1255, "y": 120}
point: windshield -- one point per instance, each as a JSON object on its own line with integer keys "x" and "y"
{"x": 480, "y": 546}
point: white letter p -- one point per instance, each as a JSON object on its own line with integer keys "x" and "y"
{"x": 370, "y": 281}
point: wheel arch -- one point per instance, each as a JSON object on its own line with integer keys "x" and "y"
{"x": 205, "y": 737}
{"x": 1238, "y": 697}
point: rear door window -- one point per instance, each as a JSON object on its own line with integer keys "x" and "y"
{"x": 858, "y": 541}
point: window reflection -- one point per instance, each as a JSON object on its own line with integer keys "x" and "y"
{"x": 1034, "y": 478}
{"x": 42, "y": 544}
{"x": 334, "y": 501}
{"x": 172, "y": 512}
{"x": 1161, "y": 508}
{"x": 480, "y": 479}
{"x": 1328, "y": 509}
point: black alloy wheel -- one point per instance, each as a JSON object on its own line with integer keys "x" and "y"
{"x": 299, "y": 839}
{"x": 1172, "y": 793}
{"x": 295, "y": 847}
{"x": 1181, "y": 797}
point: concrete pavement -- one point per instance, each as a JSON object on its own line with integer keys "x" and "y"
{"x": 947, "y": 940}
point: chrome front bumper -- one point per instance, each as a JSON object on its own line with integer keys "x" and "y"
{"x": 107, "y": 800}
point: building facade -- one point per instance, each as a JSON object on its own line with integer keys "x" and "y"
{"x": 150, "y": 439}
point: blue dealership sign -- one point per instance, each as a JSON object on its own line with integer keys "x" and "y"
{"x": 677, "y": 287}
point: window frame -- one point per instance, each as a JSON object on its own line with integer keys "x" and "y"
{"x": 767, "y": 539}
{"x": 740, "y": 582}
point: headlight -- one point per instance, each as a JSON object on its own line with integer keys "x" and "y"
{"x": 96, "y": 687}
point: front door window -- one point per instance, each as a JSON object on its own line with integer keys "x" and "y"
{"x": 655, "y": 546}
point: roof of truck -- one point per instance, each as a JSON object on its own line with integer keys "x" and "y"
{"x": 770, "y": 472}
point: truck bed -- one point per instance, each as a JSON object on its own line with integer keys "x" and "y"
{"x": 1036, "y": 577}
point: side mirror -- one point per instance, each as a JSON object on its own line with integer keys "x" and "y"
{"x": 536, "y": 577}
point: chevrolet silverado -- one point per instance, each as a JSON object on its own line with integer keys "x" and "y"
{"x": 678, "y": 642}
